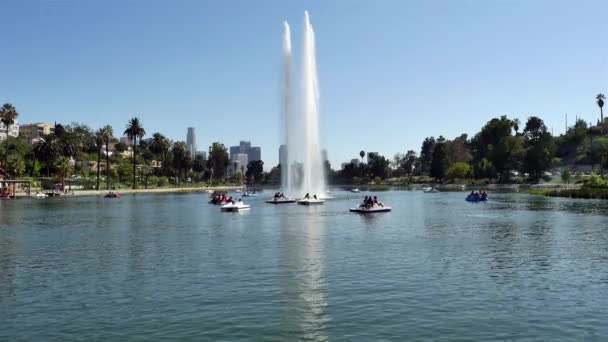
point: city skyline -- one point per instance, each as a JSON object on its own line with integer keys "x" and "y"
{"x": 410, "y": 66}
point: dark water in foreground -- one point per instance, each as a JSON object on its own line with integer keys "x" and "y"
{"x": 172, "y": 267}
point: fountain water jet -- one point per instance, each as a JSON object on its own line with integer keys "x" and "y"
{"x": 302, "y": 169}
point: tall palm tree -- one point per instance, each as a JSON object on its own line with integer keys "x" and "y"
{"x": 63, "y": 167}
{"x": 99, "y": 140}
{"x": 600, "y": 102}
{"x": 107, "y": 132}
{"x": 362, "y": 154}
{"x": 179, "y": 155}
{"x": 134, "y": 131}
{"x": 47, "y": 149}
{"x": 516, "y": 124}
{"x": 159, "y": 147}
{"x": 8, "y": 115}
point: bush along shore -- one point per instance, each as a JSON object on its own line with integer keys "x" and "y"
{"x": 594, "y": 187}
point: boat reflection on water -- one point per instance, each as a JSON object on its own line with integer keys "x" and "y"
{"x": 305, "y": 290}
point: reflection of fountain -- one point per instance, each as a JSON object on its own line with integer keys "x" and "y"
{"x": 302, "y": 166}
{"x": 306, "y": 286}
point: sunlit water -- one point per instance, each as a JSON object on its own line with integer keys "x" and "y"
{"x": 153, "y": 267}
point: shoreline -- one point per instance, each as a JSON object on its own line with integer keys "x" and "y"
{"x": 79, "y": 193}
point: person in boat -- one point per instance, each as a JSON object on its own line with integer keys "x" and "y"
{"x": 315, "y": 196}
{"x": 364, "y": 203}
{"x": 307, "y": 196}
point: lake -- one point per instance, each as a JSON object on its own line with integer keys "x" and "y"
{"x": 173, "y": 267}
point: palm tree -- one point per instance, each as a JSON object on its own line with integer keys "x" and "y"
{"x": 63, "y": 167}
{"x": 159, "y": 146}
{"x": 8, "y": 115}
{"x": 516, "y": 124}
{"x": 134, "y": 131}
{"x": 47, "y": 149}
{"x": 107, "y": 133}
{"x": 600, "y": 102}
{"x": 362, "y": 154}
{"x": 179, "y": 154}
{"x": 99, "y": 140}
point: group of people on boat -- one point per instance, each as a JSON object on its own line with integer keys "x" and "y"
{"x": 478, "y": 195}
{"x": 278, "y": 196}
{"x": 370, "y": 202}
{"x": 307, "y": 196}
{"x": 221, "y": 198}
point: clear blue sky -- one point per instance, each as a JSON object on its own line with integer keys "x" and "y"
{"x": 390, "y": 72}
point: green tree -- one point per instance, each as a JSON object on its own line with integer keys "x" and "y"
{"x": 459, "y": 171}
{"x": 99, "y": 141}
{"x": 218, "y": 160}
{"x": 378, "y": 165}
{"x": 599, "y": 99}
{"x": 8, "y": 115}
{"x": 47, "y": 149}
{"x": 179, "y": 152}
{"x": 160, "y": 147}
{"x": 426, "y": 154}
{"x": 493, "y": 143}
{"x": 255, "y": 170}
{"x": 62, "y": 165}
{"x": 15, "y": 166}
{"x": 566, "y": 176}
{"x": 539, "y": 148}
{"x": 439, "y": 163}
{"x": 134, "y": 131}
{"x": 106, "y": 133}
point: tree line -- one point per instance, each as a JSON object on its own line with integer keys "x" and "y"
{"x": 67, "y": 151}
{"x": 502, "y": 151}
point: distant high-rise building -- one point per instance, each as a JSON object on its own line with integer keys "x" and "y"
{"x": 234, "y": 152}
{"x": 253, "y": 153}
{"x": 355, "y": 161}
{"x": 283, "y": 155}
{"x": 324, "y": 155}
{"x": 191, "y": 142}
{"x": 202, "y": 154}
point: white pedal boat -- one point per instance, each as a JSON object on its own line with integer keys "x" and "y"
{"x": 376, "y": 209}
{"x": 237, "y": 206}
{"x": 430, "y": 190}
{"x": 310, "y": 201}
{"x": 281, "y": 200}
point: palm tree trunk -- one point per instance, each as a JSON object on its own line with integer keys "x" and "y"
{"x": 134, "y": 162}
{"x": 6, "y": 153}
{"x": 107, "y": 166}
{"x": 601, "y": 123}
{"x": 98, "y": 166}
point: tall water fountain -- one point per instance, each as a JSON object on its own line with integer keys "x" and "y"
{"x": 302, "y": 167}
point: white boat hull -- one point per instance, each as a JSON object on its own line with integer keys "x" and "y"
{"x": 310, "y": 201}
{"x": 370, "y": 210}
{"x": 235, "y": 207}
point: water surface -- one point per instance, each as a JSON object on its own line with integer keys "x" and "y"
{"x": 154, "y": 267}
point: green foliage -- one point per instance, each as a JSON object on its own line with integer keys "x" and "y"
{"x": 377, "y": 165}
{"x": 255, "y": 169}
{"x": 539, "y": 148}
{"x": 595, "y": 182}
{"x": 218, "y": 160}
{"x": 439, "y": 163}
{"x": 566, "y": 176}
{"x": 16, "y": 166}
{"x": 459, "y": 171}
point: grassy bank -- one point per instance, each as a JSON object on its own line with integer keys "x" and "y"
{"x": 588, "y": 193}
